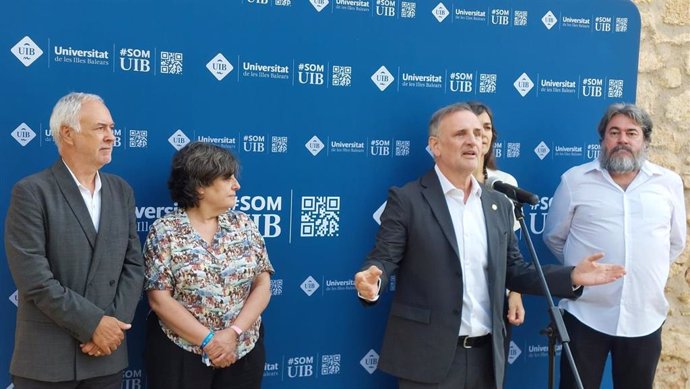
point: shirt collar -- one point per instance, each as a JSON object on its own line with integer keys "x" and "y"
{"x": 447, "y": 186}
{"x": 224, "y": 220}
{"x": 648, "y": 169}
{"x": 79, "y": 185}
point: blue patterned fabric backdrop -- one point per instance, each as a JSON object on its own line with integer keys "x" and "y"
{"x": 326, "y": 105}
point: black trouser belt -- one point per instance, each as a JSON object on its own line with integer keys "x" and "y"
{"x": 476, "y": 341}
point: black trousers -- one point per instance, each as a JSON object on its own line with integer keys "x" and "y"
{"x": 113, "y": 381}
{"x": 472, "y": 368}
{"x": 633, "y": 360}
{"x": 170, "y": 367}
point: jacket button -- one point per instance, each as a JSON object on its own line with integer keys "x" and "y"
{"x": 456, "y": 311}
{"x": 112, "y": 282}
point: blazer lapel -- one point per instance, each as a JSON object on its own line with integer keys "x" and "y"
{"x": 491, "y": 219}
{"x": 105, "y": 225}
{"x": 433, "y": 193}
{"x": 71, "y": 193}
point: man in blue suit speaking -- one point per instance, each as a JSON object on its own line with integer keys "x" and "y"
{"x": 452, "y": 244}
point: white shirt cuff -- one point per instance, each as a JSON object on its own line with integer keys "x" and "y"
{"x": 378, "y": 293}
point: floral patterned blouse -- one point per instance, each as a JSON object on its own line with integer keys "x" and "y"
{"x": 211, "y": 281}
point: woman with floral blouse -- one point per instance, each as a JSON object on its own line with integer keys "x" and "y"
{"x": 207, "y": 280}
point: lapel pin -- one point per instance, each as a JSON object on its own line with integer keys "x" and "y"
{"x": 494, "y": 207}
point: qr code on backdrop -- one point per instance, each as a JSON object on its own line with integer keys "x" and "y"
{"x": 171, "y": 63}
{"x": 621, "y": 24}
{"x": 408, "y": 9}
{"x": 615, "y": 89}
{"x": 279, "y": 144}
{"x": 487, "y": 83}
{"x": 276, "y": 287}
{"x": 138, "y": 138}
{"x": 330, "y": 364}
{"x": 320, "y": 216}
{"x": 402, "y": 148}
{"x": 520, "y": 18}
{"x": 341, "y": 76}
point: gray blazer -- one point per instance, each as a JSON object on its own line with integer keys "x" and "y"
{"x": 416, "y": 239}
{"x": 68, "y": 275}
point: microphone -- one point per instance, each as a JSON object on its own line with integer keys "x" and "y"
{"x": 512, "y": 192}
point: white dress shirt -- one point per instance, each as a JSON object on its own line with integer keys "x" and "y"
{"x": 508, "y": 179}
{"x": 642, "y": 228}
{"x": 92, "y": 201}
{"x": 470, "y": 232}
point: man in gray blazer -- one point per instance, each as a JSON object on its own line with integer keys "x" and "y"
{"x": 452, "y": 244}
{"x": 75, "y": 257}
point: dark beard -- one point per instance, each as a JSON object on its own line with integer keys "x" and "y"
{"x": 622, "y": 163}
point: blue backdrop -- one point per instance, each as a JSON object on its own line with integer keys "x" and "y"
{"x": 325, "y": 103}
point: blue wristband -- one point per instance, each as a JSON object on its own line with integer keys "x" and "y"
{"x": 207, "y": 339}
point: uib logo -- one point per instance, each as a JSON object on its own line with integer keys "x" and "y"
{"x": 314, "y": 145}
{"x": 309, "y": 286}
{"x": 26, "y": 51}
{"x": 440, "y": 12}
{"x": 219, "y": 66}
{"x": 370, "y": 361}
{"x": 23, "y": 134}
{"x": 523, "y": 84}
{"x": 178, "y": 140}
{"x": 319, "y": 5}
{"x": 382, "y": 78}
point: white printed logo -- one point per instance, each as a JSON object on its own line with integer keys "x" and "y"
{"x": 523, "y": 84}
{"x": 549, "y": 20}
{"x": 14, "y": 298}
{"x": 26, "y": 51}
{"x": 382, "y": 78}
{"x": 219, "y": 66}
{"x": 378, "y": 212}
{"x": 513, "y": 353}
{"x": 542, "y": 150}
{"x": 23, "y": 134}
{"x": 370, "y": 361}
{"x": 440, "y": 12}
{"x": 314, "y": 145}
{"x": 319, "y": 4}
{"x": 135, "y": 60}
{"x": 178, "y": 140}
{"x": 309, "y": 286}
{"x": 428, "y": 150}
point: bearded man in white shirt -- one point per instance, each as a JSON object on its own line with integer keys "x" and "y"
{"x": 634, "y": 212}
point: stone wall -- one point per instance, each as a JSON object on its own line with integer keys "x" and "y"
{"x": 664, "y": 91}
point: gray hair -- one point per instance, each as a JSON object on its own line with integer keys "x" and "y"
{"x": 638, "y": 115}
{"x": 66, "y": 113}
{"x": 442, "y": 113}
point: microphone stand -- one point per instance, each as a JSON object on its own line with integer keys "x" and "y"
{"x": 550, "y": 333}
{"x": 554, "y": 313}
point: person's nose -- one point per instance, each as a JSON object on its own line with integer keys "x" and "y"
{"x": 109, "y": 135}
{"x": 235, "y": 184}
{"x": 477, "y": 139}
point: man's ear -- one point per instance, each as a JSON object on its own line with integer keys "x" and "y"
{"x": 67, "y": 134}
{"x": 433, "y": 146}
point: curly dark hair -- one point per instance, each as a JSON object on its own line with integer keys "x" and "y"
{"x": 196, "y": 166}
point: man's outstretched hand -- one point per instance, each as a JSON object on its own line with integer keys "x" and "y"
{"x": 591, "y": 272}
